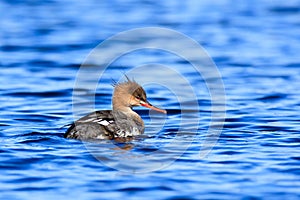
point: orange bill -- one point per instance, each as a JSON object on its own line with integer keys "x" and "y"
{"x": 148, "y": 105}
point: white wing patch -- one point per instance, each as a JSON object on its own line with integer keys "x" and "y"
{"x": 87, "y": 120}
{"x": 102, "y": 122}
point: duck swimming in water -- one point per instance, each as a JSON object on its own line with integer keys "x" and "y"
{"x": 120, "y": 122}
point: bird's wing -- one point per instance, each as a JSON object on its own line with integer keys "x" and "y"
{"x": 99, "y": 123}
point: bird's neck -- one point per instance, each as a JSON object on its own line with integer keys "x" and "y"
{"x": 126, "y": 111}
{"x": 124, "y": 115}
{"x": 128, "y": 118}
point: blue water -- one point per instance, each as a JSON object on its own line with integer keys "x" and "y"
{"x": 255, "y": 45}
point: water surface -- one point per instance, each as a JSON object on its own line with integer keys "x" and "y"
{"x": 255, "y": 46}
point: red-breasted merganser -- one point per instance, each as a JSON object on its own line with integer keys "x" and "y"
{"x": 120, "y": 122}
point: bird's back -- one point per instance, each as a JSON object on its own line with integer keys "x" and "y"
{"x": 96, "y": 125}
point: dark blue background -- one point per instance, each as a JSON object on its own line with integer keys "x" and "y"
{"x": 255, "y": 45}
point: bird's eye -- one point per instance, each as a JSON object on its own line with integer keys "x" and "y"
{"x": 140, "y": 98}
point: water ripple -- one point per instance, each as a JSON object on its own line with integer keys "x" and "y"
{"x": 256, "y": 48}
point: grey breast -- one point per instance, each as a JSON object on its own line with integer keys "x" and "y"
{"x": 129, "y": 124}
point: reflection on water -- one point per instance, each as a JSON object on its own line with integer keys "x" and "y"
{"x": 255, "y": 46}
